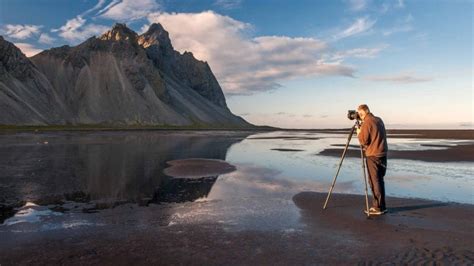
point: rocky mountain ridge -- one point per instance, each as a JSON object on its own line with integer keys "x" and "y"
{"x": 119, "y": 78}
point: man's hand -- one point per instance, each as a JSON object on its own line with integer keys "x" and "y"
{"x": 358, "y": 126}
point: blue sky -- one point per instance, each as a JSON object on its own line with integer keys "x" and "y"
{"x": 295, "y": 64}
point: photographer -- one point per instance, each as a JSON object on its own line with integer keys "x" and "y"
{"x": 373, "y": 139}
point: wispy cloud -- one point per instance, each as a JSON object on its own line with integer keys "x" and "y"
{"x": 402, "y": 78}
{"x": 404, "y": 25}
{"x": 45, "y": 38}
{"x": 244, "y": 64}
{"x": 358, "y": 5}
{"x": 397, "y": 29}
{"x": 27, "y": 49}
{"x": 76, "y": 30}
{"x": 359, "y": 26}
{"x": 227, "y": 4}
{"x": 128, "y": 10}
{"x": 97, "y": 6}
{"x": 392, "y": 4}
{"x": 400, "y": 4}
{"x": 20, "y": 31}
{"x": 359, "y": 53}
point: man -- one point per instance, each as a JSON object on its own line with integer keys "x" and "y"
{"x": 373, "y": 139}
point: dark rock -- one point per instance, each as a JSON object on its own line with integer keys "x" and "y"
{"x": 184, "y": 67}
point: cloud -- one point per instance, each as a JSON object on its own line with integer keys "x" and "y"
{"x": 393, "y": 4}
{"x": 400, "y": 4}
{"x": 76, "y": 30}
{"x": 250, "y": 179}
{"x": 358, "y": 5}
{"x": 228, "y": 4}
{"x": 400, "y": 78}
{"x": 46, "y": 39}
{"x": 397, "y": 29}
{"x": 128, "y": 10}
{"x": 359, "y": 53}
{"x": 19, "y": 31}
{"x": 27, "y": 49}
{"x": 404, "y": 25}
{"x": 359, "y": 26}
{"x": 97, "y": 6}
{"x": 245, "y": 64}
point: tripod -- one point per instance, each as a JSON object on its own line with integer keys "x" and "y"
{"x": 357, "y": 124}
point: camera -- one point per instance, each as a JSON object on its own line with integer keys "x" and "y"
{"x": 352, "y": 114}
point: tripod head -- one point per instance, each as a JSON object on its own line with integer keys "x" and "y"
{"x": 357, "y": 123}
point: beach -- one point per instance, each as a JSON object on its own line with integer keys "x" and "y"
{"x": 237, "y": 198}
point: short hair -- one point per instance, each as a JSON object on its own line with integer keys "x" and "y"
{"x": 364, "y": 107}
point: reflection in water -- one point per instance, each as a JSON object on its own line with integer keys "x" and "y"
{"x": 252, "y": 197}
{"x": 109, "y": 166}
{"x": 30, "y": 213}
{"x": 183, "y": 189}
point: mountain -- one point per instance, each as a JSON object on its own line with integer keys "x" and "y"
{"x": 117, "y": 79}
{"x": 26, "y": 95}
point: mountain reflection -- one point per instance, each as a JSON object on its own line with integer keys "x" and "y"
{"x": 106, "y": 166}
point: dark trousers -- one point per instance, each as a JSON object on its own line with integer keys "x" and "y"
{"x": 376, "y": 168}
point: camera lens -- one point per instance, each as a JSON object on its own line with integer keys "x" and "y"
{"x": 352, "y": 114}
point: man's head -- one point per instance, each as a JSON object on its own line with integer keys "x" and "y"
{"x": 363, "y": 110}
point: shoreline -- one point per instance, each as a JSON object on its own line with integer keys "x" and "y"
{"x": 458, "y": 153}
{"x": 8, "y": 129}
{"x": 391, "y": 133}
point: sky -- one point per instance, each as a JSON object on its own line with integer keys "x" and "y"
{"x": 294, "y": 64}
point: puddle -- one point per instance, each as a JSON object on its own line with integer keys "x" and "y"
{"x": 30, "y": 213}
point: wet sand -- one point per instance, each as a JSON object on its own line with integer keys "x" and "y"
{"x": 413, "y": 232}
{"x": 197, "y": 167}
{"x": 458, "y": 153}
{"x": 432, "y": 134}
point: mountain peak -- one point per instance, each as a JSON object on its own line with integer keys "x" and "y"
{"x": 13, "y": 61}
{"x": 119, "y": 32}
{"x": 156, "y": 27}
{"x": 155, "y": 35}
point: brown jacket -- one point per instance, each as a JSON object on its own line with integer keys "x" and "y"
{"x": 372, "y": 136}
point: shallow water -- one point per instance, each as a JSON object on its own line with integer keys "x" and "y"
{"x": 76, "y": 179}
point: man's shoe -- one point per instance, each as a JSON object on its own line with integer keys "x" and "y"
{"x": 375, "y": 211}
